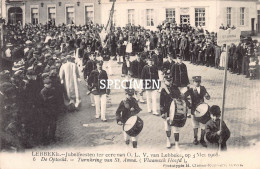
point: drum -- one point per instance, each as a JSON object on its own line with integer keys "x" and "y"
{"x": 178, "y": 113}
{"x": 201, "y": 113}
{"x": 133, "y": 126}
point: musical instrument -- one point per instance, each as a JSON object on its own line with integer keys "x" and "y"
{"x": 133, "y": 126}
{"x": 201, "y": 113}
{"x": 178, "y": 113}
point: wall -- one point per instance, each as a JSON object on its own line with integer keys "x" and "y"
{"x": 215, "y": 11}
{"x": 60, "y": 10}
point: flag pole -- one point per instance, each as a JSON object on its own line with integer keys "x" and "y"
{"x": 224, "y": 92}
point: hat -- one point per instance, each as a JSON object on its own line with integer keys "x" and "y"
{"x": 215, "y": 110}
{"x": 30, "y": 72}
{"x": 47, "y": 81}
{"x": 196, "y": 78}
{"x": 129, "y": 91}
{"x": 178, "y": 56}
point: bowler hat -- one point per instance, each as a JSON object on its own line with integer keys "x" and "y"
{"x": 215, "y": 110}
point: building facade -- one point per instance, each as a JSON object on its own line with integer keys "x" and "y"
{"x": 209, "y": 14}
{"x": 78, "y": 12}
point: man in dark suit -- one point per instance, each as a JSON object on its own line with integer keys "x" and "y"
{"x": 98, "y": 86}
{"x": 197, "y": 94}
{"x": 209, "y": 55}
{"x": 150, "y": 78}
{"x": 179, "y": 73}
{"x": 183, "y": 46}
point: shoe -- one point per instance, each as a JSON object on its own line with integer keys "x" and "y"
{"x": 189, "y": 116}
{"x": 150, "y": 111}
{"x": 203, "y": 143}
{"x": 127, "y": 142}
{"x": 105, "y": 120}
{"x": 195, "y": 142}
{"x": 97, "y": 116}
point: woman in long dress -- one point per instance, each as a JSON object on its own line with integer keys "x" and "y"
{"x": 223, "y": 56}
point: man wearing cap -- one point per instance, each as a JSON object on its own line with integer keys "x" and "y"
{"x": 50, "y": 111}
{"x": 171, "y": 94}
{"x": 197, "y": 94}
{"x": 126, "y": 109}
{"x": 98, "y": 85}
{"x": 136, "y": 69}
{"x": 150, "y": 85}
{"x": 215, "y": 134}
{"x": 69, "y": 76}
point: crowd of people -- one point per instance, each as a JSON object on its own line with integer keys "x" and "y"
{"x": 41, "y": 66}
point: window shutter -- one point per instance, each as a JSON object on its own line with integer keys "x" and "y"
{"x": 247, "y": 16}
{"x": 233, "y": 17}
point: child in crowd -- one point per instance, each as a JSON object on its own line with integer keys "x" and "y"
{"x": 213, "y": 132}
{"x": 127, "y": 108}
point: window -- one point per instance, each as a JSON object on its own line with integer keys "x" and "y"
{"x": 89, "y": 14}
{"x": 242, "y": 16}
{"x": 149, "y": 17}
{"x": 34, "y": 16}
{"x": 229, "y": 16}
{"x": 131, "y": 16}
{"x": 52, "y": 13}
{"x": 70, "y": 15}
{"x": 170, "y": 15}
{"x": 200, "y": 17}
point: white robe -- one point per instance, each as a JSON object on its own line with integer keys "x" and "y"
{"x": 69, "y": 75}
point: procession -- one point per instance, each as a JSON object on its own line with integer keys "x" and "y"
{"x": 45, "y": 68}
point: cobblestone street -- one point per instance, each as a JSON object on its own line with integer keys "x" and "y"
{"x": 241, "y": 116}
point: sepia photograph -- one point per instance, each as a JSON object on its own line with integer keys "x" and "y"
{"x": 129, "y": 84}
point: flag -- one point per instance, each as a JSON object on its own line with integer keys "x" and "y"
{"x": 108, "y": 27}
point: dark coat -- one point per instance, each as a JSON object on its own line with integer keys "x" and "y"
{"x": 95, "y": 82}
{"x": 211, "y": 132}
{"x": 123, "y": 112}
{"x": 196, "y": 98}
{"x": 179, "y": 75}
{"x": 150, "y": 73}
{"x": 137, "y": 67}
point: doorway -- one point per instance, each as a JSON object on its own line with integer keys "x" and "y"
{"x": 15, "y": 15}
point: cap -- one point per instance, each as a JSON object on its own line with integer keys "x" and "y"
{"x": 130, "y": 92}
{"x": 215, "y": 110}
{"x": 196, "y": 78}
